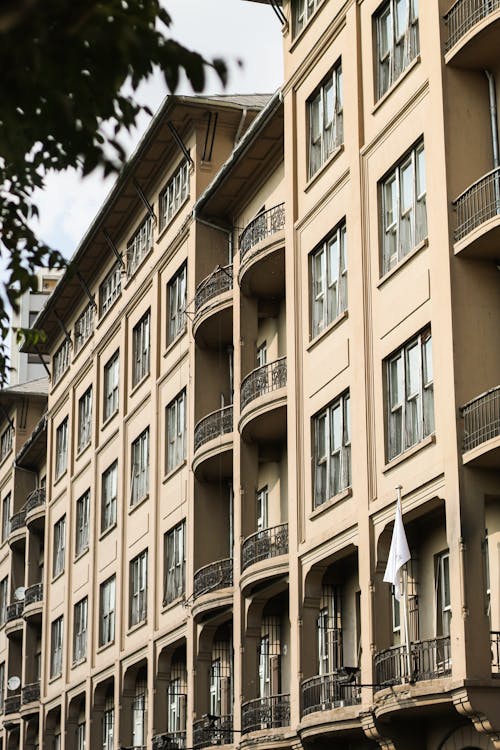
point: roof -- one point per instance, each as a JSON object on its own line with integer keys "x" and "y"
{"x": 33, "y": 451}
{"x": 38, "y": 387}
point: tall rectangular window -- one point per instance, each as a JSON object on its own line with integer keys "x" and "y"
{"x": 397, "y": 40}
{"x": 2, "y": 686}
{"x": 82, "y": 523}
{"x": 141, "y": 348}
{"x": 176, "y": 431}
{"x": 177, "y": 291}
{"x": 329, "y": 279}
{"x": 174, "y": 194}
{"x": 107, "y": 611}
{"x": 332, "y": 450}
{"x": 62, "y": 448}
{"x": 404, "y": 212}
{"x": 59, "y": 546}
{"x": 4, "y": 588}
{"x": 6, "y": 517}
{"x": 410, "y": 388}
{"x": 80, "y": 615}
{"x": 84, "y": 327}
{"x": 443, "y": 594}
{"x": 110, "y": 289}
{"x": 6, "y": 441}
{"x": 80, "y": 736}
{"x": 61, "y": 360}
{"x": 111, "y": 385}
{"x": 302, "y": 11}
{"x": 108, "y": 723}
{"x": 138, "y": 588}
{"x": 140, "y": 467}
{"x": 56, "y": 647}
{"x": 139, "y": 245}
{"x": 109, "y": 496}
{"x": 326, "y": 119}
{"x": 85, "y": 419}
{"x": 175, "y": 563}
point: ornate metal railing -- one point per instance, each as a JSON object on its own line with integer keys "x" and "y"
{"x": 477, "y": 204}
{"x": 216, "y": 731}
{"x": 33, "y": 594}
{"x": 31, "y": 692}
{"x": 18, "y": 521}
{"x": 264, "y": 544}
{"x": 35, "y": 499}
{"x": 464, "y": 15}
{"x": 495, "y": 651}
{"x": 213, "y": 425}
{"x": 133, "y": 747}
{"x": 264, "y": 225}
{"x": 265, "y": 713}
{"x": 218, "y": 282}
{"x": 217, "y": 575}
{"x": 481, "y": 419}
{"x": 14, "y": 611}
{"x": 327, "y": 691}
{"x": 12, "y": 704}
{"x": 428, "y": 660}
{"x": 170, "y": 741}
{"x": 263, "y": 380}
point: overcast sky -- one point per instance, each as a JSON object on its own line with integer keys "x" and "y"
{"x": 232, "y": 29}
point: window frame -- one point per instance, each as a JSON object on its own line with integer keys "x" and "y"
{"x": 330, "y": 135}
{"x": 110, "y": 288}
{"x": 85, "y": 419}
{"x": 176, "y": 444}
{"x": 107, "y": 616}
{"x": 82, "y": 522}
{"x": 61, "y": 360}
{"x": 327, "y": 454}
{"x": 56, "y": 647}
{"x": 62, "y": 448}
{"x": 84, "y": 327}
{"x": 4, "y": 599}
{"x": 59, "y": 547}
{"x": 138, "y": 589}
{"x": 401, "y": 48}
{"x": 111, "y": 390}
{"x": 6, "y": 508}
{"x": 328, "y": 286}
{"x": 177, "y": 301}
{"x": 139, "y": 480}
{"x": 141, "y": 348}
{"x": 174, "y": 194}
{"x": 80, "y": 629}
{"x": 302, "y": 12}
{"x": 6, "y": 442}
{"x": 174, "y": 546}
{"x": 109, "y": 497}
{"x": 139, "y": 245}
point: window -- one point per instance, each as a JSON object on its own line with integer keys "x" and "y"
{"x": 139, "y": 710}
{"x": 60, "y": 362}
{"x": 177, "y": 291}
{"x": 109, "y": 496}
{"x": 2, "y": 686}
{"x": 443, "y": 595}
{"x": 85, "y": 419}
{"x": 107, "y": 616}
{"x": 82, "y": 523}
{"x": 140, "y": 467}
{"x": 59, "y": 546}
{"x": 404, "y": 213}
{"x": 261, "y": 357}
{"x": 6, "y": 442}
{"x": 110, "y": 289}
{"x": 174, "y": 194}
{"x": 397, "y": 40}
{"x": 139, "y": 245}
{"x": 329, "y": 624}
{"x": 140, "y": 348}
{"x": 332, "y": 450}
{"x": 56, "y": 647}
{"x": 4, "y": 586}
{"x": 84, "y": 327}
{"x": 175, "y": 563}
{"x": 329, "y": 280}
{"x": 6, "y": 517}
{"x": 262, "y": 502}
{"x": 80, "y": 736}
{"x": 62, "y": 448}
{"x": 80, "y": 630}
{"x": 269, "y": 657}
{"x": 108, "y": 723}
{"x": 111, "y": 383}
{"x": 176, "y": 695}
{"x": 410, "y": 403}
{"x": 302, "y": 10}
{"x": 326, "y": 120}
{"x": 176, "y": 431}
{"x": 138, "y": 588}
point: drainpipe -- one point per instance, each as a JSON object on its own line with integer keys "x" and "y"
{"x": 494, "y": 135}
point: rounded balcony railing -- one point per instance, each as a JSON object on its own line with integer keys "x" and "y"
{"x": 33, "y": 594}
{"x": 481, "y": 419}
{"x": 35, "y": 499}
{"x": 265, "y": 713}
{"x": 264, "y": 225}
{"x": 218, "y": 282}
{"x": 170, "y": 741}
{"x": 464, "y": 15}
{"x": 428, "y": 660}
{"x": 263, "y": 380}
{"x": 31, "y": 692}
{"x": 12, "y": 704}
{"x": 477, "y": 204}
{"x": 18, "y": 521}
{"x": 14, "y": 611}
{"x": 213, "y": 731}
{"x": 217, "y": 575}
{"x": 327, "y": 691}
{"x": 264, "y": 544}
{"x": 214, "y": 425}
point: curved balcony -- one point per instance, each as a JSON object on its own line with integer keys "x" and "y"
{"x": 35, "y": 507}
{"x": 272, "y": 712}
{"x": 14, "y": 617}
{"x": 481, "y": 439}
{"x": 169, "y": 741}
{"x": 264, "y": 545}
{"x": 213, "y": 731}
{"x": 213, "y": 443}
{"x": 429, "y": 660}
{"x": 31, "y": 692}
{"x": 477, "y": 232}
{"x": 33, "y": 601}
{"x": 212, "y": 577}
{"x": 262, "y": 254}
{"x": 213, "y": 308}
{"x": 12, "y": 704}
{"x": 263, "y": 401}
{"x": 327, "y": 691}
{"x": 17, "y": 531}
{"x": 472, "y": 39}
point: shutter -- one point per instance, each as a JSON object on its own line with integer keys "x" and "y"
{"x": 274, "y": 668}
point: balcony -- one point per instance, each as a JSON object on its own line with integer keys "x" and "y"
{"x": 327, "y": 691}
{"x": 217, "y": 575}
{"x": 31, "y": 692}
{"x": 169, "y": 741}
{"x": 213, "y": 311}
{"x": 33, "y": 601}
{"x": 495, "y": 652}
{"x": 12, "y": 704}
{"x": 208, "y": 732}
{"x": 263, "y": 401}
{"x": 262, "y": 256}
{"x": 429, "y": 660}
{"x": 481, "y": 440}
{"x": 472, "y": 40}
{"x": 477, "y": 232}
{"x": 265, "y": 713}
{"x": 14, "y": 617}
{"x": 35, "y": 507}
{"x": 213, "y": 443}
{"x": 17, "y": 531}
{"x": 264, "y": 544}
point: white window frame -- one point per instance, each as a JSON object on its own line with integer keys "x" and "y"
{"x": 80, "y": 736}
{"x": 326, "y": 119}
{"x": 138, "y": 589}
{"x": 397, "y": 42}
{"x": 61, "y": 360}
{"x": 109, "y": 497}
{"x": 85, "y": 419}
{"x": 177, "y": 299}
{"x": 302, "y": 12}
{"x": 2, "y": 686}
{"x": 140, "y": 468}
{"x": 139, "y": 245}
{"x": 108, "y": 725}
{"x": 175, "y": 563}
{"x": 107, "y": 605}
{"x": 6, "y": 502}
{"x": 56, "y": 647}
{"x": 174, "y": 194}
{"x": 141, "y": 348}
{"x": 58, "y": 563}
{"x": 110, "y": 289}
{"x": 443, "y": 594}
{"x": 62, "y": 448}
{"x": 4, "y": 594}
{"x": 139, "y": 713}
{"x": 80, "y": 623}
{"x": 84, "y": 327}
{"x": 328, "y": 264}
{"x": 111, "y": 386}
{"x": 6, "y": 442}
{"x": 82, "y": 523}
{"x": 176, "y": 431}
{"x": 332, "y": 450}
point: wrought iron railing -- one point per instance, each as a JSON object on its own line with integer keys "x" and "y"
{"x": 215, "y": 731}
{"x": 213, "y": 425}
{"x": 35, "y": 499}
{"x": 12, "y": 704}
{"x": 218, "y": 282}
{"x": 31, "y": 692}
{"x": 265, "y": 713}
{"x": 495, "y": 651}
{"x": 217, "y": 575}
{"x": 464, "y": 15}
{"x": 481, "y": 419}
{"x": 170, "y": 741}
{"x": 33, "y": 594}
{"x": 14, "y": 611}
{"x": 477, "y": 204}
{"x": 327, "y": 691}
{"x": 263, "y": 380}
{"x": 264, "y": 544}
{"x": 264, "y": 225}
{"x": 428, "y": 660}
{"x": 18, "y": 521}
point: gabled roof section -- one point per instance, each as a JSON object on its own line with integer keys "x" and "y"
{"x": 38, "y": 388}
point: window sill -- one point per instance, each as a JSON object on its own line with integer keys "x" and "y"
{"x": 107, "y": 530}
{"x": 409, "y": 452}
{"x": 104, "y": 646}
{"x": 132, "y": 276}
{"x": 137, "y": 626}
{"x": 173, "y": 471}
{"x": 4, "y": 459}
{"x": 338, "y": 498}
{"x": 55, "y": 677}
{"x": 396, "y": 83}
{"x": 61, "y": 475}
{"x": 138, "y": 503}
{"x": 108, "y": 420}
{"x": 174, "y": 342}
{"x": 323, "y": 168}
{"x": 140, "y": 382}
{"x": 81, "y": 554}
{"x": 78, "y": 662}
{"x": 166, "y": 606}
{"x": 82, "y": 449}
{"x": 402, "y": 262}
{"x": 333, "y": 324}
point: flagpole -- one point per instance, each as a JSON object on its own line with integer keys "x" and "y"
{"x": 406, "y": 614}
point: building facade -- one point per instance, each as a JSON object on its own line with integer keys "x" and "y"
{"x": 285, "y": 310}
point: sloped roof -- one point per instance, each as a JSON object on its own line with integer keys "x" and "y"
{"x": 38, "y": 387}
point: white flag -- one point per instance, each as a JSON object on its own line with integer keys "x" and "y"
{"x": 399, "y": 554}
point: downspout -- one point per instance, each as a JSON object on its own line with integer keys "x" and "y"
{"x": 494, "y": 136}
